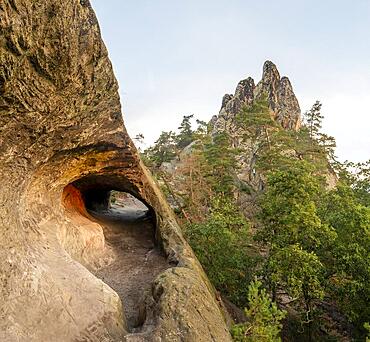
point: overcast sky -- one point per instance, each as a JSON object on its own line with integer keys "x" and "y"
{"x": 179, "y": 57}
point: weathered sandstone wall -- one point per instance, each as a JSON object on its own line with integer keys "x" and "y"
{"x": 61, "y": 123}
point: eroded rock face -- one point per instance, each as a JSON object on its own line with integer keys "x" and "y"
{"x": 284, "y": 109}
{"x": 282, "y": 100}
{"x": 61, "y": 123}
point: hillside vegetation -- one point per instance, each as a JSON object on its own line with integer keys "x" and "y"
{"x": 292, "y": 248}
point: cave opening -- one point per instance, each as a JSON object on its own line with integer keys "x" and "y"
{"x": 110, "y": 193}
{"x": 129, "y": 226}
{"x": 100, "y": 202}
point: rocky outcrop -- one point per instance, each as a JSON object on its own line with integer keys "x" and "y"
{"x": 284, "y": 109}
{"x": 282, "y": 100}
{"x": 62, "y": 139}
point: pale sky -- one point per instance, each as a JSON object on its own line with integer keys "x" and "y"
{"x": 179, "y": 57}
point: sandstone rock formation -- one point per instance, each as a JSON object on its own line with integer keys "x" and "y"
{"x": 63, "y": 146}
{"x": 284, "y": 109}
{"x": 282, "y": 100}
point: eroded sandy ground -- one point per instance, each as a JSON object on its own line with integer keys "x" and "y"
{"x": 130, "y": 233}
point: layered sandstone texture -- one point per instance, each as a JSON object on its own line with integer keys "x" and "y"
{"x": 283, "y": 103}
{"x": 63, "y": 147}
{"x": 284, "y": 109}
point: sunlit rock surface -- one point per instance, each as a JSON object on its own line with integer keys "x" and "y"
{"x": 61, "y": 138}
{"x": 283, "y": 103}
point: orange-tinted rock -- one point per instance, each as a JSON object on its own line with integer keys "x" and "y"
{"x": 61, "y": 123}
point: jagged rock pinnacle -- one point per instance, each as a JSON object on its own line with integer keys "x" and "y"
{"x": 279, "y": 91}
{"x": 270, "y": 73}
{"x": 226, "y": 99}
{"x": 244, "y": 90}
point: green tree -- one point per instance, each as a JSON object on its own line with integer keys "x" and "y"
{"x": 264, "y": 318}
{"x": 321, "y": 144}
{"x": 163, "y": 150}
{"x": 295, "y": 236}
{"x": 313, "y": 120}
{"x": 301, "y": 275}
{"x": 356, "y": 176}
{"x": 256, "y": 118}
{"x": 221, "y": 244}
{"x": 220, "y": 163}
{"x": 186, "y": 133}
{"x": 201, "y": 133}
{"x": 349, "y": 261}
{"x": 255, "y": 124}
{"x": 275, "y": 147}
{"x": 367, "y": 328}
{"x": 288, "y": 210}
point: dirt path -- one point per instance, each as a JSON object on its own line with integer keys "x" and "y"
{"x": 138, "y": 261}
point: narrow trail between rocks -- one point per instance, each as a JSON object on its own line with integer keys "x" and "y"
{"x": 130, "y": 234}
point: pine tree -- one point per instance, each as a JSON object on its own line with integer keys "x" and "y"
{"x": 264, "y": 318}
{"x": 221, "y": 163}
{"x": 186, "y": 134}
{"x": 254, "y": 122}
{"x": 321, "y": 145}
{"x": 201, "y": 133}
{"x": 313, "y": 120}
{"x": 294, "y": 235}
{"x": 163, "y": 150}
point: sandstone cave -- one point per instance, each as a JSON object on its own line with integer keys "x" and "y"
{"x": 129, "y": 233}
{"x": 68, "y": 271}
{"x": 99, "y": 194}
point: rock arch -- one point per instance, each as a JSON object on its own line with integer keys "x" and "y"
{"x": 60, "y": 122}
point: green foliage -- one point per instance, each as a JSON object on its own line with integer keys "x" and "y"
{"x": 288, "y": 210}
{"x": 313, "y": 119}
{"x": 264, "y": 318}
{"x": 201, "y": 133}
{"x": 314, "y": 243}
{"x": 275, "y": 147}
{"x": 221, "y": 245}
{"x": 298, "y": 272}
{"x": 186, "y": 134}
{"x": 318, "y": 241}
{"x": 349, "y": 261}
{"x": 357, "y": 176}
{"x": 367, "y": 328}
{"x": 295, "y": 236}
{"x": 169, "y": 144}
{"x": 255, "y": 119}
{"x": 320, "y": 143}
{"x": 163, "y": 150}
{"x": 255, "y": 125}
{"x": 361, "y": 184}
{"x": 221, "y": 163}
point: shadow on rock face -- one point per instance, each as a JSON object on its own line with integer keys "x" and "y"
{"x": 59, "y": 94}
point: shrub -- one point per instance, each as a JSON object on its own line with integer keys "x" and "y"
{"x": 264, "y": 318}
